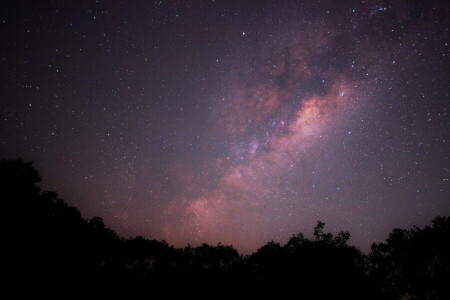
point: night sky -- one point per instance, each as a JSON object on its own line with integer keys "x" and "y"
{"x": 237, "y": 122}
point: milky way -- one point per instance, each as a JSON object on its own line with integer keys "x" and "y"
{"x": 237, "y": 122}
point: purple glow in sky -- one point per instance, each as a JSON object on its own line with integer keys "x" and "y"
{"x": 232, "y": 121}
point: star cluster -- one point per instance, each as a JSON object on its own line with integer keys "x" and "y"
{"x": 236, "y": 122}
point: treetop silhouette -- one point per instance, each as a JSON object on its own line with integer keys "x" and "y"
{"x": 50, "y": 246}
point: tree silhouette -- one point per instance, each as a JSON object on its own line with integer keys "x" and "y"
{"x": 53, "y": 250}
{"x": 414, "y": 263}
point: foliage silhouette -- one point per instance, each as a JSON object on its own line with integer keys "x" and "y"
{"x": 414, "y": 264}
{"x": 51, "y": 249}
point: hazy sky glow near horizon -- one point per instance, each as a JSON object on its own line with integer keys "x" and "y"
{"x": 237, "y": 122}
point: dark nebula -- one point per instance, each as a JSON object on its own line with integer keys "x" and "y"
{"x": 237, "y": 122}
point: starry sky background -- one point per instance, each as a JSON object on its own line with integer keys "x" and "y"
{"x": 237, "y": 122}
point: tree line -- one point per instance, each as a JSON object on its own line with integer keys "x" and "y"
{"x": 50, "y": 249}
